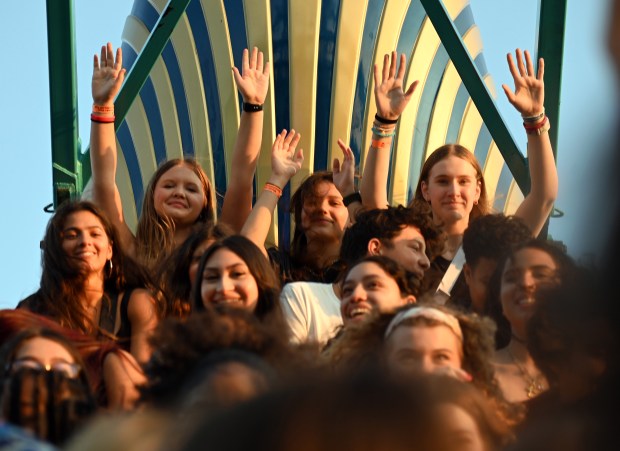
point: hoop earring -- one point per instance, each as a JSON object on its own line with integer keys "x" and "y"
{"x": 110, "y": 267}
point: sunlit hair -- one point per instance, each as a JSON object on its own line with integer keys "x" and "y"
{"x": 482, "y": 208}
{"x": 268, "y": 305}
{"x": 493, "y": 306}
{"x": 407, "y": 282}
{"x": 62, "y": 284}
{"x": 306, "y": 191}
{"x": 173, "y": 271}
{"x": 155, "y": 233}
{"x": 364, "y": 343}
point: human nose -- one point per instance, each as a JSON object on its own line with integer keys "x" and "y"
{"x": 453, "y": 188}
{"x": 424, "y": 262}
{"x": 527, "y": 280}
{"x": 223, "y": 284}
{"x": 358, "y": 294}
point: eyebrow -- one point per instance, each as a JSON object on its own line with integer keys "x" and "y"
{"x": 68, "y": 229}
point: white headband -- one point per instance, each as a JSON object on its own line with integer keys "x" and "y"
{"x": 425, "y": 312}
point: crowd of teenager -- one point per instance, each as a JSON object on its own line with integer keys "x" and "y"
{"x": 434, "y": 325}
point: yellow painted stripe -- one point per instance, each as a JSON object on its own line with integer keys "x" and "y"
{"x": 450, "y": 84}
{"x": 185, "y": 49}
{"x": 304, "y": 26}
{"x": 258, "y": 29}
{"x": 346, "y": 62}
{"x": 136, "y": 35}
{"x": 387, "y": 38}
{"x": 515, "y": 198}
{"x": 454, "y": 7}
{"x": 138, "y": 124}
{"x": 217, "y": 26}
{"x": 470, "y": 127}
{"x": 421, "y": 60}
{"x": 492, "y": 169}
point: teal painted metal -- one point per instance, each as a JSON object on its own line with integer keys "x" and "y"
{"x": 66, "y": 168}
{"x": 478, "y": 91}
{"x": 551, "y": 27}
{"x": 141, "y": 69}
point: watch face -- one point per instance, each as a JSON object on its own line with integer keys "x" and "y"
{"x": 252, "y": 108}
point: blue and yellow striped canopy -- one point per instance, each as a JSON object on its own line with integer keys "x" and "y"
{"x": 322, "y": 54}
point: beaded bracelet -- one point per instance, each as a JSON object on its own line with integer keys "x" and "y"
{"x": 275, "y": 189}
{"x": 534, "y": 119}
{"x": 538, "y": 129}
{"x": 382, "y": 134}
{"x": 102, "y": 119}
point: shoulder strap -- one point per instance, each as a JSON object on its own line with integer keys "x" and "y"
{"x": 107, "y": 316}
{"x": 124, "y": 332}
{"x": 452, "y": 274}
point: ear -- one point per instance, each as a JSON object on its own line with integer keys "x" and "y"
{"x": 478, "y": 190}
{"x": 109, "y": 253}
{"x": 467, "y": 273}
{"x": 374, "y": 246}
{"x": 424, "y": 189}
{"x": 410, "y": 299}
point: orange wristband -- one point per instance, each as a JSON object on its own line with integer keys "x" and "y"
{"x": 103, "y": 109}
{"x": 378, "y": 144}
{"x": 274, "y": 189}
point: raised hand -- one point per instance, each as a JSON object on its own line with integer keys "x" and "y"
{"x": 285, "y": 159}
{"x": 344, "y": 175}
{"x": 108, "y": 75}
{"x": 529, "y": 94}
{"x": 253, "y": 81}
{"x": 390, "y": 98}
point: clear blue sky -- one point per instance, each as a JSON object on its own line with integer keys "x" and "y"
{"x": 587, "y": 113}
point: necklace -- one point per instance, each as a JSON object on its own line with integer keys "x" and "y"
{"x": 534, "y": 384}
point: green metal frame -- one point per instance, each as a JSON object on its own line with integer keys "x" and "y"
{"x": 141, "y": 69}
{"x": 66, "y": 168}
{"x": 71, "y": 168}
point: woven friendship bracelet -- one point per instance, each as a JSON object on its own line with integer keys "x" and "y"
{"x": 534, "y": 119}
{"x": 538, "y": 129}
{"x": 382, "y": 134}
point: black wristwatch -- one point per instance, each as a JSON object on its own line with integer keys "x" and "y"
{"x": 350, "y": 198}
{"x": 252, "y": 107}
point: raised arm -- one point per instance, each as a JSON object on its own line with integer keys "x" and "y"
{"x": 391, "y": 100}
{"x": 143, "y": 318}
{"x": 253, "y": 83}
{"x": 285, "y": 162}
{"x": 108, "y": 76}
{"x": 529, "y": 99}
{"x": 344, "y": 179}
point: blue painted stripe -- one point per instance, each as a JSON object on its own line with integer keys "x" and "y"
{"x": 281, "y": 77}
{"x": 178, "y": 88}
{"x": 151, "y": 107}
{"x": 330, "y": 10}
{"x": 235, "y": 15}
{"x": 425, "y": 110}
{"x": 481, "y": 64}
{"x": 483, "y": 145}
{"x": 144, "y": 11}
{"x": 129, "y": 56}
{"x": 411, "y": 28}
{"x": 464, "y": 21}
{"x": 198, "y": 25}
{"x": 364, "y": 72}
{"x": 503, "y": 185}
{"x": 129, "y": 152}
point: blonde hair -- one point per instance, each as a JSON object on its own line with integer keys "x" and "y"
{"x": 155, "y": 232}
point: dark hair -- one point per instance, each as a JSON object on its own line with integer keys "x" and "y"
{"x": 174, "y": 270}
{"x": 408, "y": 283}
{"x": 445, "y": 151}
{"x": 182, "y": 343}
{"x": 491, "y": 236}
{"x": 385, "y": 224}
{"x": 155, "y": 233}
{"x": 493, "y": 305}
{"x": 268, "y": 304}
{"x": 306, "y": 190}
{"x": 62, "y": 285}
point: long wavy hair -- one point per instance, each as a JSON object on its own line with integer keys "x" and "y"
{"x": 173, "y": 271}
{"x": 445, "y": 151}
{"x": 268, "y": 305}
{"x": 155, "y": 233}
{"x": 62, "y": 284}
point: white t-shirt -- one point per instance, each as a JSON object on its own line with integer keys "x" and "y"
{"x": 311, "y": 310}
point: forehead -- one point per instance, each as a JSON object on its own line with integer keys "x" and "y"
{"x": 530, "y": 257}
{"x": 223, "y": 258}
{"x": 180, "y": 173}
{"x": 408, "y": 233}
{"x": 453, "y": 166}
{"x": 425, "y": 337}
{"x": 43, "y": 349}
{"x": 324, "y": 189}
{"x": 366, "y": 269}
{"x": 82, "y": 219}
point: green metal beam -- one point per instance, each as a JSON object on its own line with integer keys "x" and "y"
{"x": 478, "y": 91}
{"x": 551, "y": 27}
{"x": 66, "y": 171}
{"x": 141, "y": 69}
